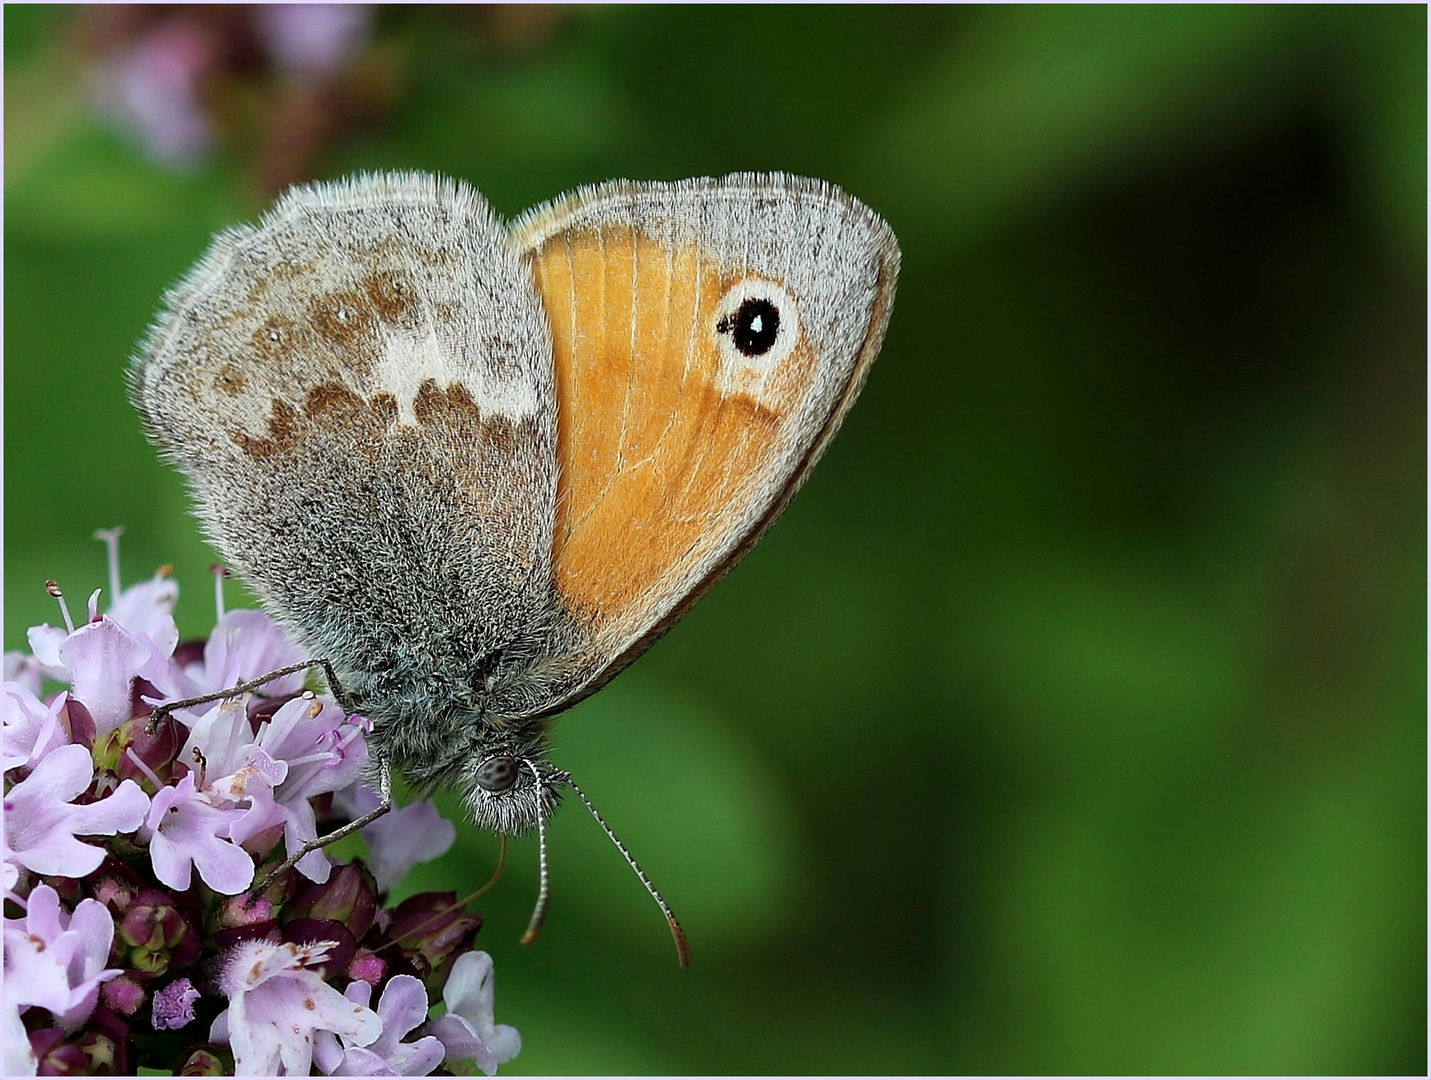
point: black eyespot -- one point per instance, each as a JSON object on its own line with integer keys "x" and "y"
{"x": 753, "y": 328}
{"x": 497, "y": 773}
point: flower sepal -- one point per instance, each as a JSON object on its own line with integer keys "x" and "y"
{"x": 430, "y": 931}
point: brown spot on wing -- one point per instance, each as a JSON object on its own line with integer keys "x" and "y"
{"x": 332, "y": 405}
{"x": 392, "y": 295}
{"x": 276, "y": 338}
{"x": 229, "y": 380}
{"x": 343, "y": 318}
{"x": 385, "y": 408}
{"x": 283, "y": 433}
{"x": 452, "y": 407}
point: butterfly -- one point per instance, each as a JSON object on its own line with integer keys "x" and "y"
{"x": 478, "y": 468}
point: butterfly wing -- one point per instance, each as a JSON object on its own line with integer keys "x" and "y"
{"x": 359, "y": 391}
{"x": 708, "y": 337}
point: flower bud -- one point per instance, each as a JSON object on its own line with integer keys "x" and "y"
{"x": 105, "y": 1044}
{"x": 431, "y": 930}
{"x": 206, "y": 1060}
{"x": 367, "y": 966}
{"x": 122, "y": 994}
{"x": 264, "y": 841}
{"x": 349, "y": 896}
{"x": 245, "y": 910}
{"x": 78, "y": 723}
{"x": 114, "y": 893}
{"x": 155, "y": 747}
{"x": 153, "y": 934}
{"x": 57, "y": 1057}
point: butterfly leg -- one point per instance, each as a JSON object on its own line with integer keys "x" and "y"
{"x": 385, "y": 784}
{"x": 339, "y": 694}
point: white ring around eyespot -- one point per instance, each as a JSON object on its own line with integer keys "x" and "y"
{"x": 735, "y": 365}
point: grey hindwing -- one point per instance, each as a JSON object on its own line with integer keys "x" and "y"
{"x": 359, "y": 391}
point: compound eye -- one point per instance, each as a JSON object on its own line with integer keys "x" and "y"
{"x": 497, "y": 773}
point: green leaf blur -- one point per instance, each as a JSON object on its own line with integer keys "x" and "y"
{"x": 1073, "y": 719}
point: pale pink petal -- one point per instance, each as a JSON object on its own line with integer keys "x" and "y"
{"x": 360, "y": 1061}
{"x": 32, "y": 975}
{"x": 187, "y": 832}
{"x": 404, "y": 837}
{"x": 122, "y": 811}
{"x": 467, "y": 1030}
{"x": 104, "y": 659}
{"x": 247, "y": 645}
{"x": 317, "y": 39}
{"x": 462, "y": 1043}
{"x": 146, "y": 610}
{"x": 24, "y": 669}
{"x": 325, "y": 751}
{"x": 31, "y": 728}
{"x": 19, "y": 1059}
{"x": 42, "y": 913}
{"x": 220, "y": 736}
{"x": 402, "y": 1008}
{"x": 57, "y": 961}
{"x": 41, "y": 820}
{"x": 45, "y": 641}
{"x": 301, "y": 827}
{"x": 276, "y": 1003}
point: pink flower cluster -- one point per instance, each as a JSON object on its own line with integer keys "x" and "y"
{"x": 130, "y": 848}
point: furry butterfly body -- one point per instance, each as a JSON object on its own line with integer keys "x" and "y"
{"x": 480, "y": 468}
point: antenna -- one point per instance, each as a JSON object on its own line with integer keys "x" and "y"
{"x": 683, "y": 950}
{"x": 539, "y": 913}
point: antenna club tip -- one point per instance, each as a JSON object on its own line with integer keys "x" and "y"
{"x": 683, "y": 949}
{"x": 530, "y": 936}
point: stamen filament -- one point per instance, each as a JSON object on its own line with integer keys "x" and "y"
{"x": 110, "y": 538}
{"x": 149, "y": 773}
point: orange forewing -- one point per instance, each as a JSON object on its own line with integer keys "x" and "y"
{"x": 659, "y": 461}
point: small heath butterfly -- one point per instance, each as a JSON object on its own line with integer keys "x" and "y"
{"x": 478, "y": 468}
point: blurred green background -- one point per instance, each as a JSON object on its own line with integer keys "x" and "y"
{"x": 1074, "y": 717}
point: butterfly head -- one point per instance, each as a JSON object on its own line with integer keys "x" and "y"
{"x": 510, "y": 787}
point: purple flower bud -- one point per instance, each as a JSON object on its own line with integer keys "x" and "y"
{"x": 114, "y": 893}
{"x": 367, "y": 966}
{"x": 431, "y": 930}
{"x": 75, "y": 718}
{"x": 122, "y": 994}
{"x": 154, "y": 748}
{"x": 174, "y": 1005}
{"x": 265, "y": 840}
{"x": 349, "y": 896}
{"x": 105, "y": 1042}
{"x": 245, "y": 910}
{"x": 101, "y": 1049}
{"x": 156, "y": 934}
{"x": 57, "y": 1057}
